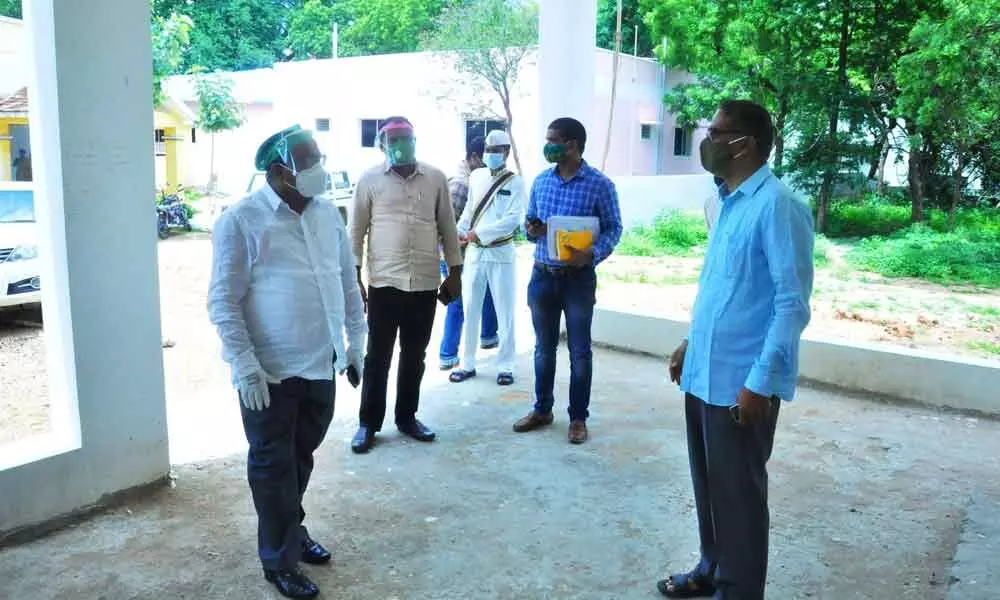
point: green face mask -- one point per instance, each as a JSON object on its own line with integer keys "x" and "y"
{"x": 401, "y": 152}
{"x": 554, "y": 152}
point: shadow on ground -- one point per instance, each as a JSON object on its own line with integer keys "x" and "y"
{"x": 868, "y": 501}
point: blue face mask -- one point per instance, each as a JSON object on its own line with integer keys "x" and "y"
{"x": 493, "y": 160}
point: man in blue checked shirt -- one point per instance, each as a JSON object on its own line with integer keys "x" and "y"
{"x": 741, "y": 357}
{"x": 570, "y": 188}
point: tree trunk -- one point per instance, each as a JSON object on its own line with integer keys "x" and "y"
{"x": 880, "y": 188}
{"x": 913, "y": 175}
{"x": 779, "y": 136}
{"x": 510, "y": 132}
{"x": 878, "y": 150}
{"x": 211, "y": 166}
{"x": 956, "y": 194}
{"x": 832, "y": 151}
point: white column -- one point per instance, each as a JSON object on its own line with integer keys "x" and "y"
{"x": 567, "y": 42}
{"x": 91, "y": 126}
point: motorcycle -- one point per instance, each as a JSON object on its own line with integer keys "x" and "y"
{"x": 171, "y": 213}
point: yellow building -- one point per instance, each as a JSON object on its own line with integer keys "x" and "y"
{"x": 13, "y": 131}
{"x": 174, "y": 132}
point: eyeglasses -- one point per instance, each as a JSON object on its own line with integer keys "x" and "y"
{"x": 713, "y": 134}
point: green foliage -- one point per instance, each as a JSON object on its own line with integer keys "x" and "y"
{"x": 673, "y": 233}
{"x": 962, "y": 256}
{"x": 310, "y": 30}
{"x": 171, "y": 37}
{"x": 632, "y": 17}
{"x": 821, "y": 251}
{"x": 872, "y": 216}
{"x": 951, "y": 82}
{"x": 386, "y": 26}
{"x": 11, "y": 8}
{"x": 218, "y": 110}
{"x": 232, "y": 35}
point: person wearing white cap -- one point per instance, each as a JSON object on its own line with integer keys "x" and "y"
{"x": 487, "y": 226}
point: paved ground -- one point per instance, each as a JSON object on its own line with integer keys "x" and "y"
{"x": 868, "y": 501}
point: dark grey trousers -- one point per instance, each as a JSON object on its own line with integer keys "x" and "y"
{"x": 282, "y": 440}
{"x": 729, "y": 472}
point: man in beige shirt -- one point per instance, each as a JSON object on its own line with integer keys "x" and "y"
{"x": 402, "y": 208}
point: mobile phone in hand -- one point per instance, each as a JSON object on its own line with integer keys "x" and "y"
{"x": 353, "y": 377}
{"x": 443, "y": 296}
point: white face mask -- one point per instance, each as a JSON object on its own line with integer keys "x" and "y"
{"x": 311, "y": 182}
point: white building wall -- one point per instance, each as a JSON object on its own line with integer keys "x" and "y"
{"x": 14, "y": 63}
{"x": 427, "y": 89}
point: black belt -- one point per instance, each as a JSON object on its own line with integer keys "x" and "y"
{"x": 496, "y": 243}
{"x": 560, "y": 270}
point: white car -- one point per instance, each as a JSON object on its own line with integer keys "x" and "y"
{"x": 19, "y": 268}
{"x": 339, "y": 190}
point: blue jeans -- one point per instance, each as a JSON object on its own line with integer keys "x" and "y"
{"x": 551, "y": 294}
{"x": 455, "y": 317}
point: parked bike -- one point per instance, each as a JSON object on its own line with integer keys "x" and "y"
{"x": 171, "y": 213}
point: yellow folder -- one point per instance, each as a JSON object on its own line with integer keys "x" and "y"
{"x": 577, "y": 240}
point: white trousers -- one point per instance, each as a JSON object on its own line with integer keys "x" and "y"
{"x": 501, "y": 278}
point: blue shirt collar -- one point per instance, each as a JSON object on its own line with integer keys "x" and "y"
{"x": 582, "y": 172}
{"x": 750, "y": 186}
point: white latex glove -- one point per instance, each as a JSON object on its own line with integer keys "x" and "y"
{"x": 355, "y": 359}
{"x": 253, "y": 391}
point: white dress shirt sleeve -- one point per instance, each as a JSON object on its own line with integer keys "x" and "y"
{"x": 231, "y": 264}
{"x": 355, "y": 322}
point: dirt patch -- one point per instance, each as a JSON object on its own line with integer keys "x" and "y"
{"x": 846, "y": 305}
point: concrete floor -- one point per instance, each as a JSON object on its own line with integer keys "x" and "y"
{"x": 868, "y": 501}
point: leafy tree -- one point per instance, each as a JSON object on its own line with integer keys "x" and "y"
{"x": 10, "y": 8}
{"x": 951, "y": 82}
{"x": 310, "y": 30}
{"x": 218, "y": 111}
{"x": 632, "y": 18}
{"x": 386, "y": 26}
{"x": 489, "y": 40}
{"x": 171, "y": 38}
{"x": 232, "y": 35}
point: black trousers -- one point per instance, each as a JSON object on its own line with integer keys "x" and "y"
{"x": 729, "y": 472}
{"x": 411, "y": 316}
{"x": 282, "y": 440}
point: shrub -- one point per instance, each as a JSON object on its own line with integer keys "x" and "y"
{"x": 673, "y": 233}
{"x": 821, "y": 251}
{"x": 960, "y": 256}
{"x": 874, "y": 215}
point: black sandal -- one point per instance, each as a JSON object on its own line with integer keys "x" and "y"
{"x": 687, "y": 585}
{"x": 505, "y": 379}
{"x": 461, "y": 375}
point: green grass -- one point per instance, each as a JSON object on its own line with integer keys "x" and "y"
{"x": 821, "y": 251}
{"x": 986, "y": 311}
{"x": 988, "y": 347}
{"x": 963, "y": 256}
{"x": 672, "y": 233}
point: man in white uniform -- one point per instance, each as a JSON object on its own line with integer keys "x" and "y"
{"x": 283, "y": 293}
{"x": 491, "y": 216}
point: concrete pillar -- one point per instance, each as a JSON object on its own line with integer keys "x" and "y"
{"x": 567, "y": 42}
{"x": 91, "y": 113}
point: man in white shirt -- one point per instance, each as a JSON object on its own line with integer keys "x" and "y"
{"x": 282, "y": 296}
{"x": 402, "y": 208}
{"x": 491, "y": 216}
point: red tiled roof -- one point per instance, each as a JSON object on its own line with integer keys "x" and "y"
{"x": 15, "y": 103}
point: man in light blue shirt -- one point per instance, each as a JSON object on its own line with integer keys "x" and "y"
{"x": 741, "y": 356}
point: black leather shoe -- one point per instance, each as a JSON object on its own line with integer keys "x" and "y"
{"x": 363, "y": 440}
{"x": 417, "y": 430}
{"x": 292, "y": 584}
{"x": 314, "y": 553}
